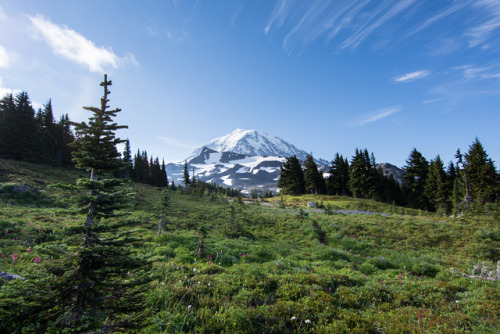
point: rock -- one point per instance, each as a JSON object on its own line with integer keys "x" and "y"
{"x": 9, "y": 277}
{"x": 21, "y": 188}
{"x": 476, "y": 270}
{"x": 311, "y": 204}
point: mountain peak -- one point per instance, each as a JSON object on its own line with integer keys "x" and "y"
{"x": 253, "y": 143}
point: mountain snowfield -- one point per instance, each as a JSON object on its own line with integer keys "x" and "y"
{"x": 253, "y": 143}
{"x": 244, "y": 159}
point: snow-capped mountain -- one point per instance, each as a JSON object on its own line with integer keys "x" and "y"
{"x": 254, "y": 143}
{"x": 231, "y": 169}
{"x": 246, "y": 159}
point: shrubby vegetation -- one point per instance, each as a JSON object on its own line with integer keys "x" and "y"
{"x": 230, "y": 267}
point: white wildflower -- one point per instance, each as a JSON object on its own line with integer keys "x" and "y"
{"x": 293, "y": 318}
{"x": 307, "y": 321}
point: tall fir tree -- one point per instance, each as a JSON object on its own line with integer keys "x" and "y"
{"x": 314, "y": 180}
{"x": 338, "y": 181}
{"x": 436, "y": 187}
{"x": 185, "y": 177}
{"x": 363, "y": 180}
{"x": 93, "y": 296}
{"x": 482, "y": 174}
{"x": 416, "y": 169}
{"x": 291, "y": 179}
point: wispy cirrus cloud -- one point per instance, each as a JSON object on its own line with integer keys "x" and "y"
{"x": 350, "y": 23}
{"x": 407, "y": 77}
{"x": 308, "y": 21}
{"x": 375, "y": 116}
{"x": 73, "y": 46}
{"x": 443, "y": 14}
{"x": 385, "y": 12}
{"x": 482, "y": 32}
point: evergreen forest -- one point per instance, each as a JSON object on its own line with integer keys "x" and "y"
{"x": 93, "y": 240}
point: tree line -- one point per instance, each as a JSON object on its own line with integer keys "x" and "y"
{"x": 471, "y": 180}
{"x": 33, "y": 136}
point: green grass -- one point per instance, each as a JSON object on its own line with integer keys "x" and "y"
{"x": 265, "y": 269}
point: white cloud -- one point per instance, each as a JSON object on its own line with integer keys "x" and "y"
{"x": 366, "y": 29}
{"x": 472, "y": 72}
{"x": 482, "y": 32}
{"x": 75, "y": 47}
{"x": 4, "y": 58}
{"x": 412, "y": 76}
{"x": 308, "y": 21}
{"x": 375, "y": 116}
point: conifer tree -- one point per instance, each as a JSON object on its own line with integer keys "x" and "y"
{"x": 92, "y": 295}
{"x": 314, "y": 180}
{"x": 362, "y": 175}
{"x": 186, "y": 175}
{"x": 64, "y": 139}
{"x": 127, "y": 159}
{"x": 482, "y": 173}
{"x": 338, "y": 181}
{"x": 84, "y": 292}
{"x": 291, "y": 179}
{"x": 436, "y": 187}
{"x": 416, "y": 177}
{"x": 164, "y": 175}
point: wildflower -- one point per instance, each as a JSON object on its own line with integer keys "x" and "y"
{"x": 180, "y": 281}
{"x": 293, "y": 318}
{"x": 199, "y": 282}
{"x": 420, "y": 317}
{"x": 307, "y": 321}
{"x": 194, "y": 269}
{"x": 456, "y": 301}
{"x": 208, "y": 284}
{"x": 164, "y": 264}
{"x": 37, "y": 259}
{"x": 189, "y": 306}
{"x": 28, "y": 250}
{"x": 163, "y": 283}
{"x": 15, "y": 257}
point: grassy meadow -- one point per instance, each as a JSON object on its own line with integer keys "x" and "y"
{"x": 224, "y": 266}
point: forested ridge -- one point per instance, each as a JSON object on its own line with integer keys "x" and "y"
{"x": 471, "y": 181}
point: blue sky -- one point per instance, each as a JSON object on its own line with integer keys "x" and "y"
{"x": 327, "y": 76}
